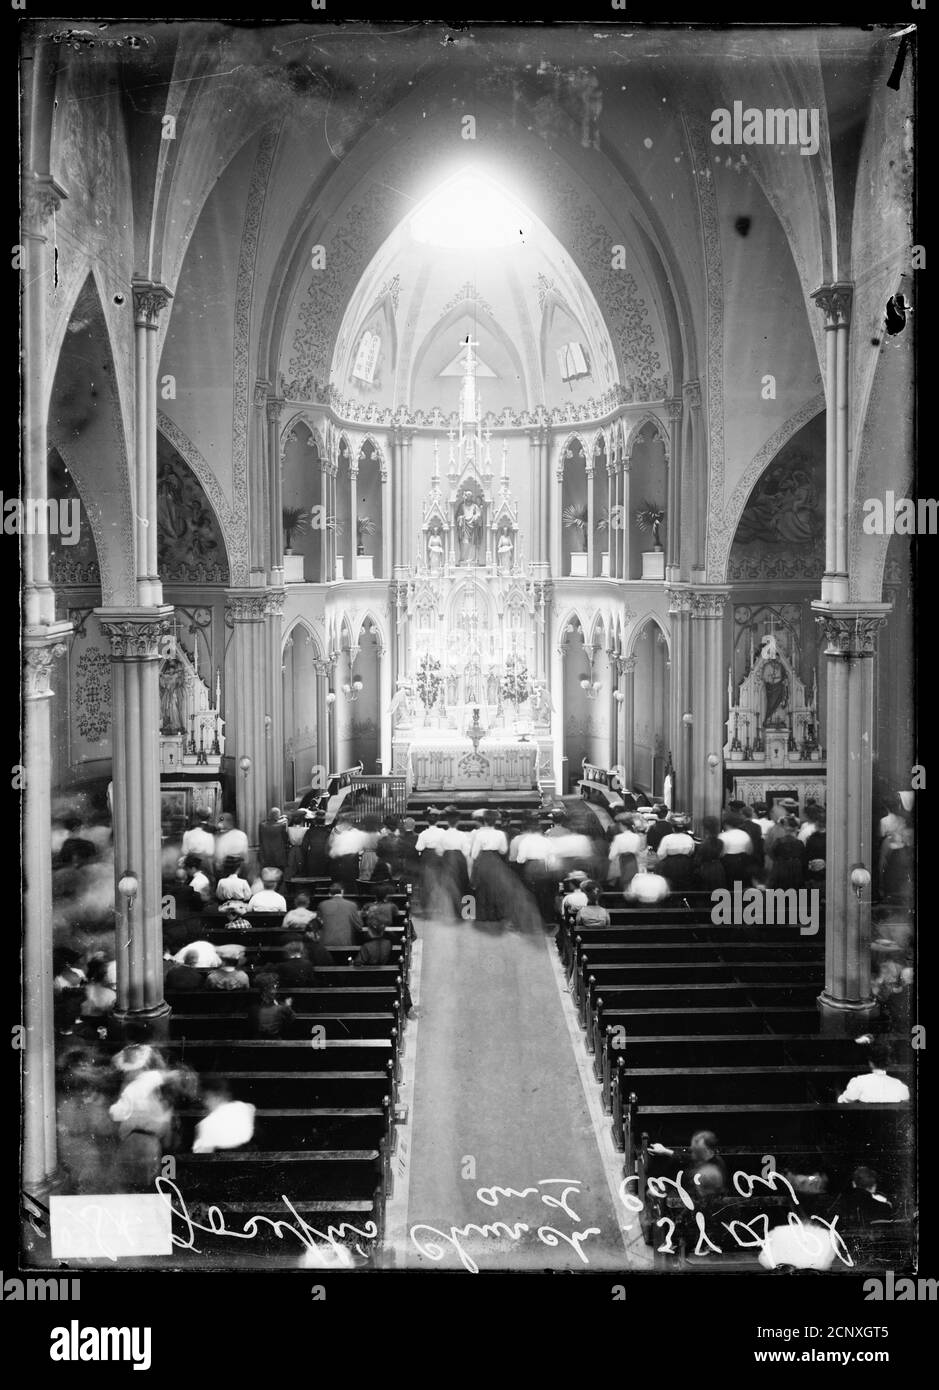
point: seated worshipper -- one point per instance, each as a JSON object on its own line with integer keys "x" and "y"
{"x": 317, "y": 953}
{"x": 345, "y": 845}
{"x": 296, "y": 970}
{"x": 340, "y": 919}
{"x": 647, "y": 888}
{"x": 783, "y": 812}
{"x": 574, "y": 896}
{"x": 268, "y": 899}
{"x": 376, "y": 949}
{"x": 228, "y": 1124}
{"x": 702, "y": 1151}
{"x": 798, "y": 1244}
{"x": 708, "y": 867}
{"x": 300, "y": 915}
{"x": 198, "y": 882}
{"x": 231, "y": 887}
{"x": 101, "y": 987}
{"x": 297, "y": 827}
{"x": 625, "y": 848}
{"x": 229, "y": 974}
{"x": 736, "y": 852}
{"x": 381, "y": 910}
{"x": 875, "y": 1086}
{"x": 862, "y": 1203}
{"x": 787, "y": 859}
{"x": 186, "y": 976}
{"x": 659, "y": 828}
{"x": 761, "y": 818}
{"x": 676, "y": 856}
{"x": 230, "y": 843}
{"x": 199, "y": 840}
{"x": 273, "y": 843}
{"x": 268, "y": 1017}
{"x": 207, "y": 958}
{"x": 592, "y": 915}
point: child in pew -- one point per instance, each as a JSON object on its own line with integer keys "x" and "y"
{"x": 229, "y": 974}
{"x": 592, "y": 915}
{"x": 228, "y": 1124}
{"x": 269, "y": 1017}
{"x": 296, "y": 970}
{"x": 376, "y": 950}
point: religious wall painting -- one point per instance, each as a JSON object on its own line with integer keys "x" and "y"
{"x": 781, "y": 533}
{"x": 190, "y": 547}
{"x": 73, "y": 555}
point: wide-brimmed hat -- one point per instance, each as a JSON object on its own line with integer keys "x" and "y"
{"x": 409, "y": 823}
{"x": 231, "y": 954}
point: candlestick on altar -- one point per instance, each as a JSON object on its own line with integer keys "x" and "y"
{"x": 195, "y": 654}
{"x": 730, "y": 685}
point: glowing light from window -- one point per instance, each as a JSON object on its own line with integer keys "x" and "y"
{"x": 469, "y": 212}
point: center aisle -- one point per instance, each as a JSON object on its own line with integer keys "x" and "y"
{"x": 498, "y": 1102}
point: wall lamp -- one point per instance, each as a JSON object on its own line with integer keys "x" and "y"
{"x": 244, "y": 763}
{"x": 351, "y": 691}
{"x": 860, "y": 879}
{"x": 127, "y": 886}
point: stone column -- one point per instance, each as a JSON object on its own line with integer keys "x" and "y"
{"x": 323, "y": 716}
{"x": 41, "y": 646}
{"x": 707, "y": 690}
{"x": 693, "y": 466}
{"x": 275, "y": 406}
{"x": 384, "y": 705}
{"x": 625, "y": 557}
{"x": 42, "y": 197}
{"x": 610, "y": 504}
{"x": 352, "y": 571}
{"x": 259, "y": 540}
{"x": 408, "y": 540}
{"x": 251, "y": 675}
{"x": 680, "y": 697}
{"x": 835, "y": 303}
{"x": 591, "y": 518}
{"x": 544, "y": 472}
{"x": 139, "y": 639}
{"x": 850, "y": 634}
{"x": 555, "y": 473}
{"x": 150, "y": 299}
{"x": 537, "y": 490}
{"x": 673, "y": 508}
{"x": 386, "y": 522}
{"x": 628, "y": 717}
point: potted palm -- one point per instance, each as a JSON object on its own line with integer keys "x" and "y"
{"x": 574, "y": 519}
{"x": 294, "y": 520}
{"x": 603, "y": 525}
{"x": 364, "y": 526}
{"x": 651, "y": 517}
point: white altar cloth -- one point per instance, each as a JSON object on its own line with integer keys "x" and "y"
{"x": 443, "y": 760}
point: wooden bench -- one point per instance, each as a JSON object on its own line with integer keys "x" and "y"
{"x": 194, "y": 1026}
{"x": 266, "y": 1176}
{"x": 331, "y": 999}
{"x": 309, "y": 1126}
{"x": 591, "y": 980}
{"x": 692, "y": 999}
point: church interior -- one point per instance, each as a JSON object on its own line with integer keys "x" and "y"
{"x": 470, "y": 457}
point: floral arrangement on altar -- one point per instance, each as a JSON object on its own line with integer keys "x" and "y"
{"x": 429, "y": 681}
{"x": 515, "y": 685}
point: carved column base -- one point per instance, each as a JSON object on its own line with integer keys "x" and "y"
{"x": 141, "y": 1025}
{"x": 845, "y": 1018}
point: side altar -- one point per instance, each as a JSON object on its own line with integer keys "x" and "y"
{"x": 773, "y": 735}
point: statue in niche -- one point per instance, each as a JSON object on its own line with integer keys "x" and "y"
{"x": 469, "y": 522}
{"x": 451, "y": 686}
{"x": 492, "y": 688}
{"x": 471, "y": 683}
{"x": 775, "y": 684}
{"x": 402, "y": 711}
{"x": 505, "y": 551}
{"x": 435, "y": 551}
{"x": 173, "y": 697}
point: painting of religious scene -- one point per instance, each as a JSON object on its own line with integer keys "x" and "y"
{"x": 190, "y": 548}
{"x": 781, "y": 534}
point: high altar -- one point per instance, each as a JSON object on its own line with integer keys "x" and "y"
{"x": 773, "y": 728}
{"x": 473, "y": 711}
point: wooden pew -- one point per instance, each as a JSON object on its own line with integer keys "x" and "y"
{"x": 193, "y": 1026}
{"x": 607, "y": 980}
{"x": 694, "y": 1000}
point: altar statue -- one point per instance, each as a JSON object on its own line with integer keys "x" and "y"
{"x": 401, "y": 708}
{"x": 505, "y": 552}
{"x": 469, "y": 523}
{"x": 173, "y": 697}
{"x": 435, "y": 551}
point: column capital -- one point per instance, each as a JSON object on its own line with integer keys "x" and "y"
{"x": 850, "y": 630}
{"x": 835, "y": 302}
{"x": 40, "y": 651}
{"x": 275, "y": 406}
{"x": 679, "y": 599}
{"x": 627, "y": 664}
{"x": 674, "y": 407}
{"x": 262, "y": 390}
{"x": 136, "y": 634}
{"x": 42, "y": 197}
{"x": 692, "y": 394}
{"x": 253, "y": 605}
{"x": 322, "y": 667}
{"x": 708, "y": 603}
{"x": 150, "y": 299}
